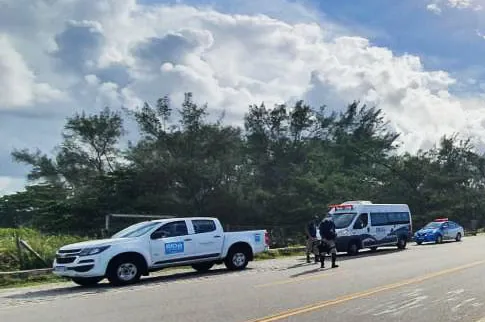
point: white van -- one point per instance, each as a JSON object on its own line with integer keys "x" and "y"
{"x": 362, "y": 224}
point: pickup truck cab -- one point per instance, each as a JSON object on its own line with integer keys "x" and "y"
{"x": 153, "y": 245}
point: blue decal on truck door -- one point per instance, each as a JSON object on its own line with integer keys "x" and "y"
{"x": 257, "y": 238}
{"x": 174, "y": 248}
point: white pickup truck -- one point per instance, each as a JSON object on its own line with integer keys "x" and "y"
{"x": 153, "y": 245}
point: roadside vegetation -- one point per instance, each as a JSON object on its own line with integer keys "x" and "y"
{"x": 280, "y": 167}
{"x": 45, "y": 245}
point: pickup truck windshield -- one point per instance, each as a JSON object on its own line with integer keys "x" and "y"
{"x": 135, "y": 230}
{"x": 343, "y": 219}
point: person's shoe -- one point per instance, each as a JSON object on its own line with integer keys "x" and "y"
{"x": 334, "y": 259}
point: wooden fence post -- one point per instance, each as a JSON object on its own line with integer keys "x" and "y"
{"x": 19, "y": 250}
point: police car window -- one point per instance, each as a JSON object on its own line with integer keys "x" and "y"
{"x": 174, "y": 229}
{"x": 203, "y": 226}
{"x": 433, "y": 225}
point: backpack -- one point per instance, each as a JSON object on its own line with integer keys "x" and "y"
{"x": 327, "y": 229}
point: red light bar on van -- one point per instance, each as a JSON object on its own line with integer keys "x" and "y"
{"x": 344, "y": 207}
{"x": 441, "y": 219}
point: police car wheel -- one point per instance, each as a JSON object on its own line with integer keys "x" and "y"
{"x": 458, "y": 237}
{"x": 439, "y": 239}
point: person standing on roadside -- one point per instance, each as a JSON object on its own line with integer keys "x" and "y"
{"x": 329, "y": 235}
{"x": 311, "y": 232}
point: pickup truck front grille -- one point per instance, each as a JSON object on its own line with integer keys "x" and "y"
{"x": 69, "y": 251}
{"x": 65, "y": 260}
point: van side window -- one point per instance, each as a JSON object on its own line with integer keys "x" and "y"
{"x": 362, "y": 221}
{"x": 379, "y": 219}
{"x": 397, "y": 218}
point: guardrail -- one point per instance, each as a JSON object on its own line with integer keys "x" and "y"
{"x": 26, "y": 273}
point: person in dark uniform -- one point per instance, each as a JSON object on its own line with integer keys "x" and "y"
{"x": 311, "y": 235}
{"x": 327, "y": 245}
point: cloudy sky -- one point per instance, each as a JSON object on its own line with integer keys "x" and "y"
{"x": 421, "y": 61}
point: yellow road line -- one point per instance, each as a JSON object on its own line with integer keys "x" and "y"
{"x": 354, "y": 296}
{"x": 295, "y": 280}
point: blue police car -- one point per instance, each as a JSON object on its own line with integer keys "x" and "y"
{"x": 439, "y": 230}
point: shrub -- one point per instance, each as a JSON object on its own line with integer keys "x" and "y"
{"x": 45, "y": 245}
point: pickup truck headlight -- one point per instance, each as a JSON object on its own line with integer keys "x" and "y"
{"x": 93, "y": 250}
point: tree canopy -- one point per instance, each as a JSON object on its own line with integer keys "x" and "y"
{"x": 285, "y": 164}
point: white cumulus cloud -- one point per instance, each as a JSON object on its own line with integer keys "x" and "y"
{"x": 62, "y": 56}
{"x": 436, "y": 6}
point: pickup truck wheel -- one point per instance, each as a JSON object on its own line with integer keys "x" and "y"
{"x": 202, "y": 267}
{"x": 124, "y": 271}
{"x": 87, "y": 281}
{"x": 237, "y": 259}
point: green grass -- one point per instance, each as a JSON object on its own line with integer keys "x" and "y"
{"x": 45, "y": 245}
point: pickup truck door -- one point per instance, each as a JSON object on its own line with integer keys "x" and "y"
{"x": 208, "y": 238}
{"x": 171, "y": 243}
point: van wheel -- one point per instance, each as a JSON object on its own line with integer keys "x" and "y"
{"x": 353, "y": 248}
{"x": 87, "y": 281}
{"x": 458, "y": 237}
{"x": 237, "y": 259}
{"x": 401, "y": 243}
{"x": 202, "y": 267}
{"x": 124, "y": 271}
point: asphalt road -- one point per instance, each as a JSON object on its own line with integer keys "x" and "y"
{"x": 423, "y": 283}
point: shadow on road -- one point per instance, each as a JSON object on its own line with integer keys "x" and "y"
{"x": 341, "y": 258}
{"x": 433, "y": 243}
{"x": 104, "y": 286}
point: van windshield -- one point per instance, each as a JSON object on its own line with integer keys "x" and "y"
{"x": 343, "y": 219}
